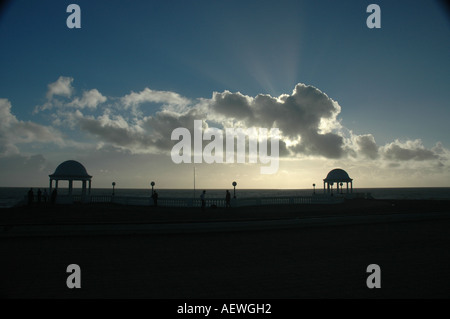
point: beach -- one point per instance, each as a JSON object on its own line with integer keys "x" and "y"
{"x": 289, "y": 251}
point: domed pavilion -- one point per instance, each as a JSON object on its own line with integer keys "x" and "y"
{"x": 338, "y": 176}
{"x": 71, "y": 171}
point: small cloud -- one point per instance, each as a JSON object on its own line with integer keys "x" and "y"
{"x": 147, "y": 95}
{"x": 407, "y": 151}
{"x": 62, "y": 87}
{"x": 367, "y": 146}
{"x": 90, "y": 99}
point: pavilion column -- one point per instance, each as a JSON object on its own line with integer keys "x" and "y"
{"x": 347, "y": 187}
{"x": 351, "y": 185}
{"x": 56, "y": 186}
{"x": 84, "y": 188}
{"x": 70, "y": 186}
{"x": 89, "y": 187}
{"x": 51, "y": 182}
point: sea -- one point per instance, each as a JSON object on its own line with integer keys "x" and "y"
{"x": 11, "y": 196}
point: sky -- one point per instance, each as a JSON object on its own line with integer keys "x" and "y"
{"x": 372, "y": 101}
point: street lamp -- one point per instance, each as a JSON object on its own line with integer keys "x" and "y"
{"x": 341, "y": 186}
{"x": 152, "y": 184}
{"x": 113, "y": 185}
{"x": 234, "y": 185}
{"x": 314, "y": 185}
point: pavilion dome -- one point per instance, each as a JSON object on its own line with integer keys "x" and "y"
{"x": 337, "y": 175}
{"x": 70, "y": 169}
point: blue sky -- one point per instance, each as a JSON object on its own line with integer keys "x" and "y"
{"x": 390, "y": 83}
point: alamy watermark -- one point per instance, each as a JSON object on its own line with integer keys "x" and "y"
{"x": 256, "y": 138}
{"x": 74, "y": 19}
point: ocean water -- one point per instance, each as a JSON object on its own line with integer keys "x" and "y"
{"x": 10, "y": 196}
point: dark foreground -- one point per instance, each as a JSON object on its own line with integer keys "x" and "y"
{"x": 313, "y": 262}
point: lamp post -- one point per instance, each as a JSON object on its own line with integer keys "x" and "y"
{"x": 152, "y": 184}
{"x": 234, "y": 185}
{"x": 341, "y": 186}
{"x": 314, "y": 186}
{"x": 113, "y": 185}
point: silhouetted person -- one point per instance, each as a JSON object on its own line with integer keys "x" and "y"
{"x": 30, "y": 197}
{"x": 39, "y": 195}
{"x": 45, "y": 196}
{"x": 155, "y": 198}
{"x": 228, "y": 199}
{"x": 202, "y": 197}
{"x": 53, "y": 196}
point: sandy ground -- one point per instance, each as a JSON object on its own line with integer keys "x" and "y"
{"x": 311, "y": 262}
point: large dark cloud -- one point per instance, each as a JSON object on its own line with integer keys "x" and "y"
{"x": 328, "y": 145}
{"x": 298, "y": 116}
{"x": 303, "y": 111}
{"x": 163, "y": 123}
{"x": 234, "y": 105}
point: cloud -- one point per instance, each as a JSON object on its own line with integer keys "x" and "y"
{"x": 304, "y": 109}
{"x": 60, "y": 91}
{"x": 90, "y": 99}
{"x": 145, "y": 135}
{"x": 307, "y": 119}
{"x": 168, "y": 98}
{"x": 407, "y": 151}
{"x": 6, "y": 117}
{"x": 235, "y": 105}
{"x": 327, "y": 145}
{"x": 14, "y": 132}
{"x": 108, "y": 132}
{"x": 299, "y": 116}
{"x": 367, "y": 146}
{"x": 62, "y": 87}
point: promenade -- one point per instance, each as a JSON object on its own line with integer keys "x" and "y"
{"x": 307, "y": 252}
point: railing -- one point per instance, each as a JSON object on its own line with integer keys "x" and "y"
{"x": 196, "y": 202}
{"x": 193, "y": 202}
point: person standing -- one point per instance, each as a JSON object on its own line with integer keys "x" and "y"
{"x": 228, "y": 199}
{"x": 155, "y": 198}
{"x": 202, "y": 197}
